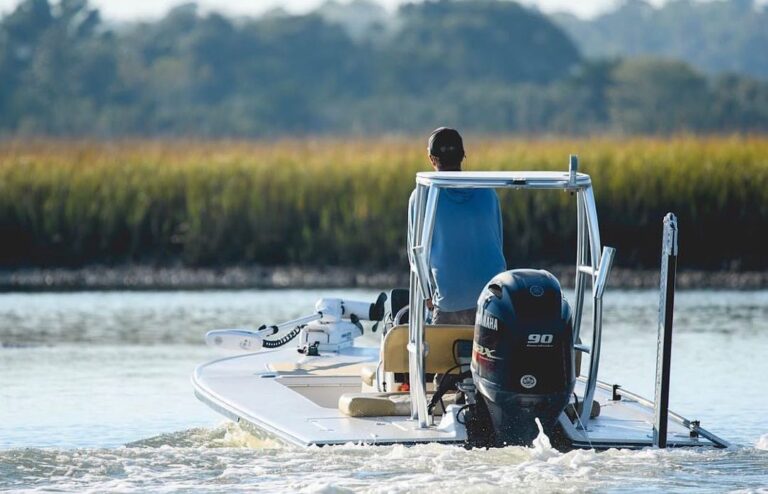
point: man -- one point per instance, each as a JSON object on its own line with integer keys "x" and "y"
{"x": 467, "y": 239}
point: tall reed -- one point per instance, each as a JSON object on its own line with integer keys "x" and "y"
{"x": 343, "y": 202}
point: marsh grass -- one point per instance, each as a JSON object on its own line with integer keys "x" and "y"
{"x": 343, "y": 202}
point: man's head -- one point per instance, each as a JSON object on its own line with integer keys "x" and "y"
{"x": 446, "y": 149}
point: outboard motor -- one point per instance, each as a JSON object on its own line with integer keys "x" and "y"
{"x": 522, "y": 356}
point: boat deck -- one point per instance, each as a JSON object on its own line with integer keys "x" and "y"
{"x": 294, "y": 398}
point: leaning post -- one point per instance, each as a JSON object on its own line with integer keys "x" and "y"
{"x": 664, "y": 339}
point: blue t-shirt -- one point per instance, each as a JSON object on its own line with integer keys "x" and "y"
{"x": 466, "y": 246}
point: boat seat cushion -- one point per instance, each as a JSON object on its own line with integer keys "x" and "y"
{"x": 383, "y": 404}
{"x": 440, "y": 339}
{"x": 375, "y": 404}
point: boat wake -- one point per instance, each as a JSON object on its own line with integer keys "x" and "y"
{"x": 230, "y": 459}
{"x": 226, "y": 435}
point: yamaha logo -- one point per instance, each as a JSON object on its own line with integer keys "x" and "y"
{"x": 536, "y": 291}
{"x": 487, "y": 320}
{"x": 528, "y": 381}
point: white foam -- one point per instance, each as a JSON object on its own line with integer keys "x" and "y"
{"x": 325, "y": 488}
{"x": 193, "y": 462}
{"x": 762, "y": 443}
{"x": 542, "y": 447}
{"x": 237, "y": 437}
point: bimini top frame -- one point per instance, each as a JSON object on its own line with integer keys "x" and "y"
{"x": 592, "y": 264}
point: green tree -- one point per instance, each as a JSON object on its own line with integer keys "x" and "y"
{"x": 459, "y": 41}
{"x": 485, "y": 65}
{"x": 740, "y": 103}
{"x": 655, "y": 96}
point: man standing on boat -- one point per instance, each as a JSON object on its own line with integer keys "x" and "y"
{"x": 467, "y": 238}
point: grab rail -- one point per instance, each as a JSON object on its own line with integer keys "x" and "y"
{"x": 597, "y": 332}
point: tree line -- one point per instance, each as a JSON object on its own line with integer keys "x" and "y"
{"x": 489, "y": 66}
{"x": 716, "y": 36}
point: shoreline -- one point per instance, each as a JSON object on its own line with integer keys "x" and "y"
{"x": 142, "y": 277}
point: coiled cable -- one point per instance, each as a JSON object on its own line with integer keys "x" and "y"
{"x": 282, "y": 341}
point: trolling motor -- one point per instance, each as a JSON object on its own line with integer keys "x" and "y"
{"x": 334, "y": 325}
{"x": 522, "y": 359}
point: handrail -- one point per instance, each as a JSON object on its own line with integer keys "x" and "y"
{"x": 506, "y": 179}
{"x": 420, "y": 290}
{"x": 597, "y": 332}
{"x": 604, "y": 271}
{"x": 592, "y": 227}
{"x": 430, "y": 214}
{"x": 416, "y": 303}
{"x": 581, "y": 259}
{"x": 422, "y": 269}
{"x": 693, "y": 425}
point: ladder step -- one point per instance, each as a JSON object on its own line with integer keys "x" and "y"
{"x": 587, "y": 270}
{"x": 582, "y": 348}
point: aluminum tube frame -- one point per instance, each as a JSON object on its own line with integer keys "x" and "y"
{"x": 516, "y": 183}
{"x": 511, "y": 184}
{"x": 597, "y": 333}
{"x": 692, "y": 425}
{"x": 430, "y": 214}
{"x": 588, "y": 249}
{"x": 581, "y": 260}
{"x": 592, "y": 227}
{"x": 420, "y": 290}
{"x": 591, "y": 243}
{"x": 415, "y": 313}
{"x": 606, "y": 263}
{"x": 422, "y": 272}
{"x": 589, "y": 390}
{"x": 415, "y": 359}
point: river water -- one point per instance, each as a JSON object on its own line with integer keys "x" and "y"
{"x": 95, "y": 396}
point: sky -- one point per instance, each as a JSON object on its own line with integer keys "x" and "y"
{"x": 149, "y": 9}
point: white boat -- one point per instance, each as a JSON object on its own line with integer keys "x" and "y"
{"x": 308, "y": 382}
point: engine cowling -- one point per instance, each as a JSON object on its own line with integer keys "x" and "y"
{"x": 522, "y": 356}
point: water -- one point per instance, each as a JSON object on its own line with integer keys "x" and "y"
{"x": 95, "y": 396}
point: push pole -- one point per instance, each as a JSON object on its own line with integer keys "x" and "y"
{"x": 664, "y": 339}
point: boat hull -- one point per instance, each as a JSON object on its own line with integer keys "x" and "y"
{"x": 293, "y": 399}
